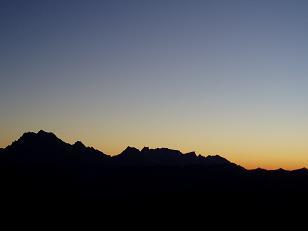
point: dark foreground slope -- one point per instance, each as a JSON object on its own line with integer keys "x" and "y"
{"x": 40, "y": 170}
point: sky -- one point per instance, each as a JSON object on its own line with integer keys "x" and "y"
{"x": 215, "y": 77}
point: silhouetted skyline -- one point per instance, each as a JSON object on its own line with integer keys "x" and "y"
{"x": 39, "y": 169}
{"x": 49, "y": 148}
{"x": 216, "y": 77}
{"x": 41, "y": 174}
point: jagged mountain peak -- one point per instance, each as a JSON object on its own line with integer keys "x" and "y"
{"x": 191, "y": 154}
{"x": 145, "y": 149}
{"x": 217, "y": 158}
{"x": 45, "y": 147}
{"x": 130, "y": 150}
{"x": 40, "y": 140}
{"x": 79, "y": 144}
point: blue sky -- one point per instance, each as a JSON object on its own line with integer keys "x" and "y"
{"x": 225, "y": 77}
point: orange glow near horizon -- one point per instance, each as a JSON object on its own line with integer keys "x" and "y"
{"x": 267, "y": 158}
{"x": 212, "y": 77}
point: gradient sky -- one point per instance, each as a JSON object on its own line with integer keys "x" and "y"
{"x": 217, "y": 77}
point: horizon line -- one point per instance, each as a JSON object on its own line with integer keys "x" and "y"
{"x": 153, "y": 148}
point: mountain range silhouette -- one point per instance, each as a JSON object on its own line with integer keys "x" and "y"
{"x": 46, "y": 148}
{"x": 41, "y": 169}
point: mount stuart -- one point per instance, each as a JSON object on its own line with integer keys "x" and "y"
{"x": 40, "y": 169}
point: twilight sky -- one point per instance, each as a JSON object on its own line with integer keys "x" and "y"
{"x": 217, "y": 77}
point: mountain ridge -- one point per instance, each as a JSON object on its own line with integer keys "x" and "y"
{"x": 40, "y": 167}
{"x": 29, "y": 141}
{"x": 42, "y": 141}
